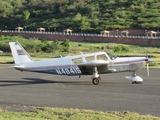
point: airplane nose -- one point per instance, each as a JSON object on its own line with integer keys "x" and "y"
{"x": 148, "y": 60}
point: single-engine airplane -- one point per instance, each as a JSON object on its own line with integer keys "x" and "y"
{"x": 83, "y": 64}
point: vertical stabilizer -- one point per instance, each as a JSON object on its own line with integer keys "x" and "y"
{"x": 19, "y": 53}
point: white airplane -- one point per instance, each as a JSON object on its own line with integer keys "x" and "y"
{"x": 84, "y": 64}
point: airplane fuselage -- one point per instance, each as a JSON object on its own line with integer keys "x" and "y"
{"x": 74, "y": 65}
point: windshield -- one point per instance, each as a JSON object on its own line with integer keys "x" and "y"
{"x": 112, "y": 57}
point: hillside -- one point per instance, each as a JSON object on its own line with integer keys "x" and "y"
{"x": 80, "y": 15}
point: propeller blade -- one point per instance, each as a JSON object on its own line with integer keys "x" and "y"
{"x": 147, "y": 54}
{"x": 148, "y": 69}
{"x": 147, "y": 64}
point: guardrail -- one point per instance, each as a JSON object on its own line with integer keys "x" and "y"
{"x": 87, "y": 34}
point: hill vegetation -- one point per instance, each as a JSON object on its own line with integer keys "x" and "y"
{"x": 80, "y": 15}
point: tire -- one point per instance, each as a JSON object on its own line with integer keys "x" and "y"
{"x": 95, "y": 81}
{"x": 139, "y": 82}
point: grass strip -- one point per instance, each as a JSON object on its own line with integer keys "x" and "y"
{"x": 72, "y": 114}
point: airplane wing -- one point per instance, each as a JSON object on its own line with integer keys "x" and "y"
{"x": 94, "y": 63}
{"x": 102, "y": 67}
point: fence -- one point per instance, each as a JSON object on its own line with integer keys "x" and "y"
{"x": 114, "y": 37}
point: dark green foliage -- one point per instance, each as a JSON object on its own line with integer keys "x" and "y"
{"x": 81, "y": 15}
{"x": 121, "y": 48}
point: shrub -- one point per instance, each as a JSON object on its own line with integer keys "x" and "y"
{"x": 66, "y": 45}
{"x": 4, "y": 47}
{"x": 121, "y": 48}
{"x": 46, "y": 47}
{"x": 56, "y": 45}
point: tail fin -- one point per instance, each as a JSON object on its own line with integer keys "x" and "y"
{"x": 19, "y": 53}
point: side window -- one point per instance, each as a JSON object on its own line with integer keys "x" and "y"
{"x": 90, "y": 58}
{"x": 77, "y": 60}
{"x": 102, "y": 57}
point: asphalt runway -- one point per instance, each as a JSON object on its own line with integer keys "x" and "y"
{"x": 22, "y": 91}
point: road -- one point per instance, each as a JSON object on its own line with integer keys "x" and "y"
{"x": 22, "y": 91}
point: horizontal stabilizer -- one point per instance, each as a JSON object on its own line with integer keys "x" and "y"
{"x": 17, "y": 67}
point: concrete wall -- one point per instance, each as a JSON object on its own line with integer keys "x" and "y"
{"x": 115, "y": 39}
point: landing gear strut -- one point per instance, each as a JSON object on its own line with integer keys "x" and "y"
{"x": 96, "y": 78}
{"x": 134, "y": 74}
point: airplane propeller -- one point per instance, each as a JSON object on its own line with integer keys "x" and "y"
{"x": 147, "y": 64}
{"x": 148, "y": 69}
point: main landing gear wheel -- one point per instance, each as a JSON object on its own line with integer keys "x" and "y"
{"x": 96, "y": 78}
{"x": 95, "y": 81}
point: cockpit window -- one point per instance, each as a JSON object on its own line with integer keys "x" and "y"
{"x": 90, "y": 58}
{"x": 77, "y": 60}
{"x": 102, "y": 57}
{"x": 112, "y": 57}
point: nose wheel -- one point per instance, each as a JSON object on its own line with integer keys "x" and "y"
{"x": 136, "y": 82}
{"x": 136, "y": 79}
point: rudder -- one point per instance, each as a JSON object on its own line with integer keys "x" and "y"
{"x": 19, "y": 53}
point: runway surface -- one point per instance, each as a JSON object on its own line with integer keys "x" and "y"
{"x": 21, "y": 91}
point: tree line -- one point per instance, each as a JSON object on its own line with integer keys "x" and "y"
{"x": 80, "y": 15}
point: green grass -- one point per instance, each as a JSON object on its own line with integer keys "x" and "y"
{"x": 5, "y": 59}
{"x": 72, "y": 114}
